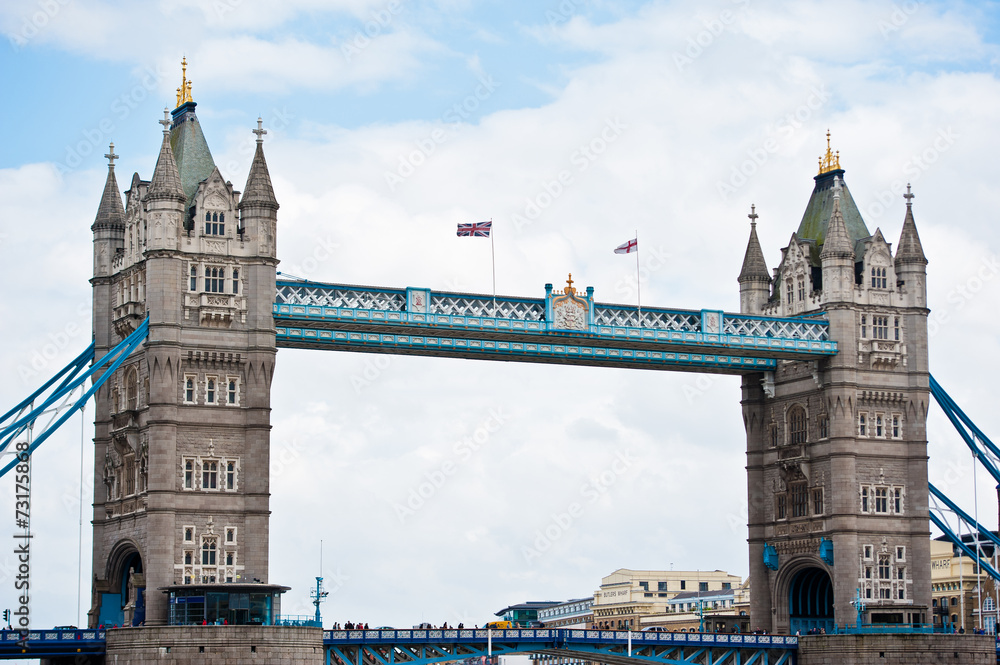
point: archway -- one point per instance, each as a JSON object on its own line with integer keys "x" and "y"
{"x": 124, "y": 603}
{"x": 810, "y": 601}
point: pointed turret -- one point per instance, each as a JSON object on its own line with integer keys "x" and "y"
{"x": 258, "y": 207}
{"x": 259, "y": 190}
{"x": 911, "y": 264}
{"x": 909, "y": 249}
{"x": 111, "y": 213}
{"x": 166, "y": 182}
{"x": 755, "y": 282}
{"x": 837, "y": 255}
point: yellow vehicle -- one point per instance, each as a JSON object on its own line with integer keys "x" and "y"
{"x": 499, "y": 625}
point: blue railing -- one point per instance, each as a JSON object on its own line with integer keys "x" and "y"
{"x": 297, "y": 620}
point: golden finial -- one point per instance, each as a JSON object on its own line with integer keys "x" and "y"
{"x": 830, "y": 161}
{"x": 569, "y": 285}
{"x": 184, "y": 92}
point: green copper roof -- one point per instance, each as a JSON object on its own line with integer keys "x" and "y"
{"x": 816, "y": 218}
{"x": 194, "y": 159}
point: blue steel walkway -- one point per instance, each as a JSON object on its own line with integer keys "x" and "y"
{"x": 563, "y": 327}
{"x": 422, "y": 647}
{"x": 51, "y": 644}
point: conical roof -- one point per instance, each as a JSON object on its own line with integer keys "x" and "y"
{"x": 194, "y": 159}
{"x": 909, "y": 249}
{"x": 166, "y": 181}
{"x": 258, "y": 190}
{"x": 816, "y": 218}
{"x": 754, "y": 266}
{"x": 111, "y": 212}
{"x": 838, "y": 241}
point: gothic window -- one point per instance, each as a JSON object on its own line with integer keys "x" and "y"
{"x": 194, "y": 278}
{"x": 817, "y": 501}
{"x": 878, "y": 278}
{"x": 208, "y": 553}
{"x": 868, "y": 551}
{"x": 797, "y": 425}
{"x": 902, "y": 592}
{"x": 188, "y": 557}
{"x": 208, "y": 216}
{"x": 864, "y": 509}
{"x": 802, "y": 289}
{"x": 895, "y": 427}
{"x": 210, "y": 386}
{"x": 773, "y": 435}
{"x": 129, "y": 475}
{"x": 189, "y": 389}
{"x": 131, "y": 389}
{"x": 232, "y": 391}
{"x": 230, "y": 535}
{"x": 897, "y": 500}
{"x": 209, "y": 474}
{"x": 900, "y": 553}
{"x": 230, "y": 475}
{"x": 864, "y": 326}
{"x": 880, "y": 327}
{"x": 862, "y": 424}
{"x": 824, "y": 427}
{"x": 881, "y": 499}
{"x": 236, "y": 280}
{"x": 189, "y": 534}
{"x": 883, "y": 567}
{"x": 879, "y": 429}
{"x": 781, "y": 511}
{"x": 790, "y": 291}
{"x": 188, "y": 474}
{"x": 901, "y": 572}
{"x": 215, "y": 280}
{"x": 214, "y": 224}
{"x": 230, "y": 557}
{"x": 895, "y": 328}
{"x": 868, "y": 572}
{"x": 799, "y": 499}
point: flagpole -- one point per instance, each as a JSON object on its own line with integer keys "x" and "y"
{"x": 638, "y": 285}
{"x": 493, "y": 255}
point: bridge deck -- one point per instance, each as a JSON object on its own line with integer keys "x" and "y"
{"x": 423, "y": 322}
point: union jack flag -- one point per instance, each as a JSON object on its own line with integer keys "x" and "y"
{"x": 476, "y": 229}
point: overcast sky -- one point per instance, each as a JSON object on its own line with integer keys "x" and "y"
{"x": 571, "y": 124}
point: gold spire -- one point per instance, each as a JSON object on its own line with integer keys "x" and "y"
{"x": 184, "y": 92}
{"x": 830, "y": 161}
{"x": 569, "y": 289}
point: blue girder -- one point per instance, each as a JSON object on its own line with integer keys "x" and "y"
{"x": 47, "y": 644}
{"x": 424, "y": 322}
{"x": 423, "y": 647}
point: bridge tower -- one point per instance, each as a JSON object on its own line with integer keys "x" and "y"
{"x": 183, "y": 428}
{"x": 836, "y": 449}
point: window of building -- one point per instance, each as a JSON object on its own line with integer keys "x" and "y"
{"x": 215, "y": 224}
{"x": 210, "y": 390}
{"x": 879, "y": 429}
{"x": 799, "y": 499}
{"x": 864, "y": 326}
{"x": 790, "y": 290}
{"x": 897, "y": 500}
{"x": 895, "y": 427}
{"x": 824, "y": 426}
{"x": 883, "y": 567}
{"x": 868, "y": 592}
{"x": 868, "y": 572}
{"x": 208, "y": 553}
{"x": 862, "y": 424}
{"x": 880, "y": 327}
{"x": 773, "y": 435}
{"x": 881, "y": 499}
{"x": 895, "y": 328}
{"x": 188, "y": 557}
{"x": 878, "y": 277}
{"x": 232, "y": 391}
{"x": 236, "y": 280}
{"x": 780, "y": 510}
{"x": 683, "y": 585}
{"x": 209, "y": 474}
{"x": 194, "y": 278}
{"x": 884, "y": 593}
{"x": 901, "y": 573}
{"x": 189, "y": 534}
{"x": 661, "y": 586}
{"x": 188, "y": 474}
{"x": 702, "y": 586}
{"x": 797, "y": 425}
{"x": 727, "y": 585}
{"x": 189, "y": 389}
{"x": 900, "y": 553}
{"x": 230, "y": 535}
{"x": 817, "y": 501}
{"x": 864, "y": 509}
{"x": 802, "y": 289}
{"x": 230, "y": 475}
{"x": 644, "y": 586}
{"x": 215, "y": 279}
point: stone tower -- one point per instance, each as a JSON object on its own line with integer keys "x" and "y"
{"x": 836, "y": 449}
{"x": 183, "y": 427}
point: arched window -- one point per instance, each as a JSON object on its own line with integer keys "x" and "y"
{"x": 208, "y": 218}
{"x": 797, "y": 425}
{"x": 208, "y": 553}
{"x": 131, "y": 389}
{"x": 215, "y": 216}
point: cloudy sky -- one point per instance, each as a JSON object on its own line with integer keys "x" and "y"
{"x": 570, "y": 123}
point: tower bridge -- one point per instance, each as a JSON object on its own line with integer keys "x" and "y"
{"x": 831, "y": 346}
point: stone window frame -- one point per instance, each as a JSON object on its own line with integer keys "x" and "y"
{"x": 203, "y": 464}
{"x": 212, "y": 390}
{"x": 901, "y": 553}
{"x": 232, "y": 388}
{"x": 877, "y": 427}
{"x": 816, "y": 497}
{"x": 871, "y": 496}
{"x": 780, "y": 509}
{"x": 798, "y": 424}
{"x": 192, "y": 387}
{"x": 863, "y": 424}
{"x": 823, "y": 426}
{"x": 895, "y": 426}
{"x": 189, "y": 474}
{"x": 193, "y": 533}
{"x": 209, "y": 551}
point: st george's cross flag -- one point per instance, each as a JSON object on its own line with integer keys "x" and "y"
{"x": 628, "y": 247}
{"x": 476, "y": 229}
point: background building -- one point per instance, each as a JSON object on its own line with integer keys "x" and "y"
{"x": 626, "y": 595}
{"x": 956, "y": 587}
{"x": 577, "y": 613}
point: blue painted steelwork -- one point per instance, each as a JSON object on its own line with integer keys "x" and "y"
{"x": 422, "y": 647}
{"x": 423, "y": 322}
{"x": 770, "y": 557}
{"x": 51, "y": 644}
{"x": 69, "y": 379}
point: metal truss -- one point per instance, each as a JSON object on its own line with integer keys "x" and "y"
{"x": 422, "y": 647}
{"x": 46, "y": 644}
